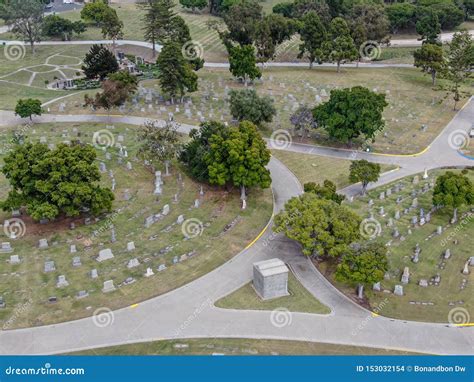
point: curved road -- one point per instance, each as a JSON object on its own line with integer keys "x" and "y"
{"x": 189, "y": 311}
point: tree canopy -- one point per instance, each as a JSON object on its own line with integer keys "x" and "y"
{"x": 49, "y": 183}
{"x": 453, "y": 190}
{"x": 365, "y": 172}
{"x": 99, "y": 62}
{"x": 245, "y": 104}
{"x": 26, "y": 108}
{"x": 322, "y": 227}
{"x": 350, "y": 113}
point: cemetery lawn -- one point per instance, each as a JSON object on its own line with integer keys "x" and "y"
{"x": 299, "y": 300}
{"x": 225, "y": 231}
{"x": 412, "y": 102}
{"x": 448, "y": 294}
{"x": 28, "y": 76}
{"x": 314, "y": 168}
{"x": 236, "y": 346}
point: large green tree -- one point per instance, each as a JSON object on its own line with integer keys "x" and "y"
{"x": 313, "y": 35}
{"x": 50, "y": 183}
{"x": 245, "y": 104}
{"x": 322, "y": 227}
{"x": 363, "y": 267}
{"x": 26, "y": 108}
{"x": 194, "y": 4}
{"x": 325, "y": 191}
{"x": 272, "y": 30}
{"x": 364, "y": 172}
{"x": 242, "y": 19}
{"x": 242, "y": 63}
{"x": 453, "y": 190}
{"x": 176, "y": 74}
{"x": 459, "y": 64}
{"x": 194, "y": 152}
{"x": 373, "y": 18}
{"x": 94, "y": 12}
{"x": 339, "y": 46}
{"x": 25, "y": 17}
{"x": 112, "y": 26}
{"x": 430, "y": 58}
{"x": 350, "y": 113}
{"x": 239, "y": 157}
{"x": 428, "y": 26}
{"x": 159, "y": 143}
{"x": 55, "y": 26}
{"x": 99, "y": 62}
{"x": 157, "y": 18}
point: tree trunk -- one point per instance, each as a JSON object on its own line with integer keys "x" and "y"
{"x": 357, "y": 63}
{"x": 339, "y": 66}
{"x": 154, "y": 48}
{"x": 310, "y": 64}
{"x": 364, "y": 188}
{"x": 433, "y": 78}
{"x": 360, "y": 291}
{"x": 167, "y": 167}
{"x": 243, "y": 197}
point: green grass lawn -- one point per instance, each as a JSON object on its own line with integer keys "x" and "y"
{"x": 299, "y": 300}
{"x": 313, "y": 168}
{"x": 412, "y": 101}
{"x": 26, "y": 283}
{"x": 448, "y": 294}
{"x": 237, "y": 346}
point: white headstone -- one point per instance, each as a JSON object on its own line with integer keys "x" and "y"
{"x": 108, "y": 286}
{"x": 149, "y": 272}
{"x": 132, "y": 263}
{"x": 130, "y": 246}
{"x": 105, "y": 254}
{"x": 62, "y": 282}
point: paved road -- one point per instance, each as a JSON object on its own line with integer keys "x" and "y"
{"x": 189, "y": 311}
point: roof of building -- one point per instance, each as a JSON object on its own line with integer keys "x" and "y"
{"x": 271, "y": 267}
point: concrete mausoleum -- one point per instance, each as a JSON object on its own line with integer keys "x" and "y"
{"x": 270, "y": 278}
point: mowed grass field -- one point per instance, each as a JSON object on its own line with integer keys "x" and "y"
{"x": 236, "y": 346}
{"x": 298, "y": 300}
{"x": 223, "y": 231}
{"x": 412, "y": 102}
{"x": 459, "y": 238}
{"x": 313, "y": 168}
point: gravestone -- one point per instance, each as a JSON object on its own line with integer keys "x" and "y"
{"x": 102, "y": 167}
{"x": 129, "y": 166}
{"x": 396, "y": 233}
{"x": 398, "y": 290}
{"x": 425, "y": 174}
{"x": 428, "y": 217}
{"x": 62, "y": 282}
{"x": 414, "y": 220}
{"x": 105, "y": 254}
{"x": 175, "y": 260}
{"x": 94, "y": 274}
{"x": 180, "y": 219}
{"x": 439, "y": 230}
{"x": 73, "y": 248}
{"x": 371, "y": 202}
{"x": 423, "y": 283}
{"x": 49, "y": 266}
{"x": 113, "y": 238}
{"x": 196, "y": 203}
{"x": 270, "y": 278}
{"x": 471, "y": 261}
{"x": 397, "y": 214}
{"x": 406, "y": 275}
{"x": 14, "y": 259}
{"x": 416, "y": 179}
{"x": 130, "y": 246}
{"x": 76, "y": 261}
{"x": 447, "y": 254}
{"x": 108, "y": 286}
{"x": 149, "y": 221}
{"x": 382, "y": 195}
{"x": 377, "y": 287}
{"x": 6, "y": 247}
{"x": 161, "y": 267}
{"x": 381, "y": 211}
{"x": 388, "y": 192}
{"x": 149, "y": 272}
{"x": 43, "y": 243}
{"x": 465, "y": 270}
{"x": 414, "y": 203}
{"x": 166, "y": 209}
{"x": 132, "y": 263}
{"x": 2, "y": 303}
{"x": 82, "y": 294}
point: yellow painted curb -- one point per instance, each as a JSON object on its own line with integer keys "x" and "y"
{"x": 133, "y": 306}
{"x": 402, "y": 155}
{"x": 261, "y": 233}
{"x": 468, "y": 324}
